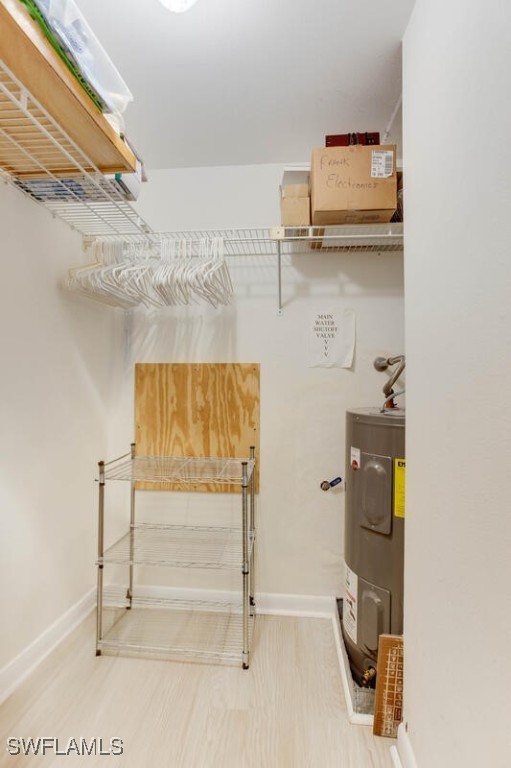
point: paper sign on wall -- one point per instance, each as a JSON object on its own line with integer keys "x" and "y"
{"x": 331, "y": 339}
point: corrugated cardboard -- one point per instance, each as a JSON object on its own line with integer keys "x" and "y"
{"x": 295, "y": 184}
{"x": 353, "y": 185}
{"x": 295, "y": 211}
{"x": 295, "y": 190}
{"x": 295, "y": 199}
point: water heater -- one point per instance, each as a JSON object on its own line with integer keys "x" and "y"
{"x": 374, "y": 534}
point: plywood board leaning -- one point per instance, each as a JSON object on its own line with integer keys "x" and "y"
{"x": 197, "y": 409}
{"x": 388, "y": 705}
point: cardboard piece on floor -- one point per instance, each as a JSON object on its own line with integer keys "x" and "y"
{"x": 388, "y": 705}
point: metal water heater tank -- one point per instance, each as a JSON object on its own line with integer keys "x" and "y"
{"x": 374, "y": 534}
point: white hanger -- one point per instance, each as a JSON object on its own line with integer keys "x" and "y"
{"x": 167, "y": 273}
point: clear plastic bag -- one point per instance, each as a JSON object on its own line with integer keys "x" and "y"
{"x": 82, "y": 46}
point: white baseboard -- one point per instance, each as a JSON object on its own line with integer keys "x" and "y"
{"x": 13, "y": 674}
{"x": 268, "y": 603}
{"x": 311, "y": 606}
{"x": 404, "y": 749}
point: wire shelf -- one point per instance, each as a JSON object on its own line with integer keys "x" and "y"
{"x": 277, "y": 242}
{"x": 267, "y": 241}
{"x": 346, "y": 238}
{"x": 41, "y": 160}
{"x": 208, "y": 630}
{"x": 115, "y": 596}
{"x": 172, "y": 469}
{"x": 236, "y": 242}
{"x": 175, "y": 633}
{"x": 180, "y": 546}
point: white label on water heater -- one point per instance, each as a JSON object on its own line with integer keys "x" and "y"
{"x": 355, "y": 458}
{"x": 350, "y": 605}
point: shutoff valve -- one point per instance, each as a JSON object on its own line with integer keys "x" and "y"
{"x": 327, "y": 484}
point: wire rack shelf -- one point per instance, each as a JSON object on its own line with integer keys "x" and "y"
{"x": 114, "y": 596}
{"x": 181, "y": 546}
{"x": 176, "y": 629}
{"x": 261, "y": 241}
{"x": 172, "y": 469}
{"x": 42, "y": 161}
{"x": 277, "y": 242}
{"x": 373, "y": 238}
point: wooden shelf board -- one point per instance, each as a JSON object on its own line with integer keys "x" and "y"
{"x": 28, "y": 55}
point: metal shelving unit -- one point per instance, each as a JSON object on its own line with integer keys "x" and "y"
{"x": 177, "y": 627}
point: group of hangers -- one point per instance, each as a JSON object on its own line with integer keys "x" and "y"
{"x": 154, "y": 274}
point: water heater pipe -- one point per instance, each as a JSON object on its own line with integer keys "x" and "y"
{"x": 382, "y": 363}
{"x": 391, "y": 121}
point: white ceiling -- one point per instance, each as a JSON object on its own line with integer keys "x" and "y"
{"x": 235, "y": 82}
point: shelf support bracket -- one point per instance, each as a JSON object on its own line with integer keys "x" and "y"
{"x": 277, "y": 234}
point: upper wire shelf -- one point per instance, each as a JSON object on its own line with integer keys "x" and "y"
{"x": 172, "y": 469}
{"x": 276, "y": 242}
{"x": 346, "y": 237}
{"x": 260, "y": 241}
{"x": 41, "y": 160}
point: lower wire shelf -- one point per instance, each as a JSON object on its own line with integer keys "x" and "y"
{"x": 176, "y": 629}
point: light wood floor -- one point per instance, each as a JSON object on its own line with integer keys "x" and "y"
{"x": 286, "y": 711}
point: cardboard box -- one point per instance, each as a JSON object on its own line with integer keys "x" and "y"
{"x": 295, "y": 184}
{"x": 295, "y": 211}
{"x": 295, "y": 199}
{"x": 353, "y": 185}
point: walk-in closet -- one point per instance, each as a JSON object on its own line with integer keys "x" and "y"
{"x": 255, "y": 325}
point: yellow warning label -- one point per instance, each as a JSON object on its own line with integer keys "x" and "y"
{"x": 399, "y": 487}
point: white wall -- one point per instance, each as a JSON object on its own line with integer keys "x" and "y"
{"x": 55, "y": 388}
{"x": 458, "y": 345}
{"x": 302, "y": 408}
